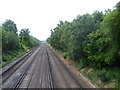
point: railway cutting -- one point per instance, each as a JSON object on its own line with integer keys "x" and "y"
{"x": 40, "y": 68}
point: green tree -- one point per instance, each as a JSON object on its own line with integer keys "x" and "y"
{"x": 25, "y": 37}
{"x": 10, "y": 41}
{"x": 33, "y": 42}
{"x": 9, "y": 25}
{"x": 103, "y": 45}
{"x": 26, "y": 40}
{"x": 70, "y": 36}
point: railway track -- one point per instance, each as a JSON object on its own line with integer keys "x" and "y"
{"x": 64, "y": 71}
{"x": 42, "y": 72}
{"x": 11, "y": 70}
{"x": 22, "y": 76}
{"x": 43, "y": 69}
{"x": 51, "y": 85}
{"x": 37, "y": 69}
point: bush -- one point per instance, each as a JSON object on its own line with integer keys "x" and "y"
{"x": 83, "y": 63}
{"x": 65, "y": 55}
{"x": 106, "y": 75}
{"x": 5, "y": 58}
{"x": 118, "y": 79}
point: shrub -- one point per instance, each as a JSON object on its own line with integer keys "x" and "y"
{"x": 105, "y": 75}
{"x": 118, "y": 80}
{"x": 5, "y": 58}
{"x": 83, "y": 63}
{"x": 65, "y": 55}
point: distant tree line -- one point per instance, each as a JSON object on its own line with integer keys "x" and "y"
{"x": 91, "y": 39}
{"x": 12, "y": 41}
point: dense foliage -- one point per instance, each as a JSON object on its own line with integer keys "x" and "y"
{"x": 103, "y": 45}
{"x": 91, "y": 39}
{"x": 26, "y": 40}
{"x": 12, "y": 42}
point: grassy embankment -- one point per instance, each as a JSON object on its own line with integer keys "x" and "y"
{"x": 107, "y": 77}
{"x": 10, "y": 56}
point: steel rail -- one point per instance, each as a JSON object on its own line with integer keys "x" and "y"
{"x": 50, "y": 71}
{"x": 22, "y": 76}
{"x": 9, "y": 71}
{"x": 68, "y": 71}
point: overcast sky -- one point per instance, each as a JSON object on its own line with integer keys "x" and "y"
{"x": 40, "y": 16}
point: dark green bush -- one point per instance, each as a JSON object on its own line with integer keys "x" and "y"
{"x": 5, "y": 58}
{"x": 65, "y": 55}
{"x": 106, "y": 75}
{"x": 118, "y": 79}
{"x": 83, "y": 63}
